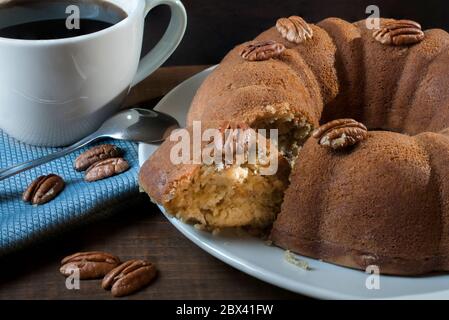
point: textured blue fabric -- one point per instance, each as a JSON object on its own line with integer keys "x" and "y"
{"x": 23, "y": 224}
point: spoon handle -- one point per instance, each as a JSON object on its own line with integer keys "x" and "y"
{"x": 9, "y": 172}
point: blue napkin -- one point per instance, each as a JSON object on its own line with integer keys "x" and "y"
{"x": 23, "y": 224}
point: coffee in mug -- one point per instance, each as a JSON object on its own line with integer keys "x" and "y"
{"x": 98, "y": 15}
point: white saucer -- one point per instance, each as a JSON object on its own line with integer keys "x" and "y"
{"x": 267, "y": 263}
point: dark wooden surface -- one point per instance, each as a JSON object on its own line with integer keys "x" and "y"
{"x": 140, "y": 231}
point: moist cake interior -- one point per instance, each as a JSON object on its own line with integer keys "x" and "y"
{"x": 219, "y": 197}
{"x": 293, "y": 132}
{"x": 229, "y": 197}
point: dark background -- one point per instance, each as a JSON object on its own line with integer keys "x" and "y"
{"x": 215, "y": 26}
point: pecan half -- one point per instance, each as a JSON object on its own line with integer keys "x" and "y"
{"x": 105, "y": 169}
{"x": 341, "y": 133}
{"x": 44, "y": 189}
{"x": 95, "y": 154}
{"x": 91, "y": 265}
{"x": 129, "y": 277}
{"x": 399, "y": 33}
{"x": 263, "y": 50}
{"x": 294, "y": 29}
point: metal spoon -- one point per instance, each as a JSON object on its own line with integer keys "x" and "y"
{"x": 138, "y": 125}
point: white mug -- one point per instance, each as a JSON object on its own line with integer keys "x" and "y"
{"x": 55, "y": 92}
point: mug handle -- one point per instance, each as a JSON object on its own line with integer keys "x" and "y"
{"x": 169, "y": 42}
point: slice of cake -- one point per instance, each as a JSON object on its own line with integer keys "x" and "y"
{"x": 242, "y": 187}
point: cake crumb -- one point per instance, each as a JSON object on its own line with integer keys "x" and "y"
{"x": 291, "y": 258}
{"x": 269, "y": 243}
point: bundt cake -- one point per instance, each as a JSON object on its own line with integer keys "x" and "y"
{"x": 358, "y": 196}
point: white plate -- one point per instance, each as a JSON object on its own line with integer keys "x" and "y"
{"x": 267, "y": 263}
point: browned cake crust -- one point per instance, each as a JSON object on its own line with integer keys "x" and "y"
{"x": 247, "y": 91}
{"x": 384, "y": 201}
{"x": 419, "y": 60}
{"x": 377, "y": 204}
{"x": 349, "y": 58}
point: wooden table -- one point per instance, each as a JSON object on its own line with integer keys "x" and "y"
{"x": 186, "y": 272}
